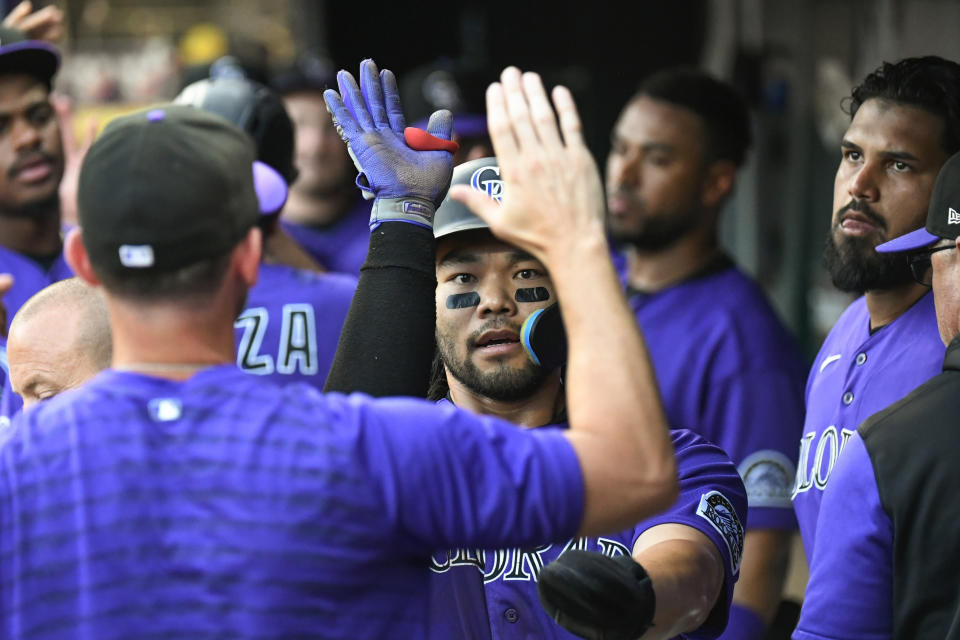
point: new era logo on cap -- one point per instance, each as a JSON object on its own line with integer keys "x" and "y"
{"x": 952, "y": 216}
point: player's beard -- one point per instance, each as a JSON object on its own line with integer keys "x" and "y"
{"x": 654, "y": 232}
{"x": 854, "y": 264}
{"x": 504, "y": 383}
{"x": 39, "y": 208}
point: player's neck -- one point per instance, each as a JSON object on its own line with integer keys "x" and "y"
{"x": 37, "y": 234}
{"x": 303, "y": 209}
{"x": 886, "y": 305}
{"x": 536, "y": 410}
{"x": 167, "y": 342}
{"x": 652, "y": 271}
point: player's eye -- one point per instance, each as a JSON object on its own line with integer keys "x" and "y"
{"x": 851, "y": 155}
{"x": 528, "y": 274}
{"x": 40, "y": 114}
{"x": 900, "y": 166}
{"x": 463, "y": 278}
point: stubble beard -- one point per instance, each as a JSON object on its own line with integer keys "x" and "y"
{"x": 503, "y": 384}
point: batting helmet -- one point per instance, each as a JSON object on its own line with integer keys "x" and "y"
{"x": 451, "y": 216}
{"x": 250, "y": 106}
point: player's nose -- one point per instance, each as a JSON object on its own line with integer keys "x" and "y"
{"x": 495, "y": 299}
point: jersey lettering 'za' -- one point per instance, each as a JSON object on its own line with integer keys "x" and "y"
{"x": 297, "y": 351}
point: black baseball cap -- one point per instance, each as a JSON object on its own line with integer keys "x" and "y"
{"x": 943, "y": 214}
{"x": 250, "y": 106}
{"x": 167, "y": 187}
{"x": 19, "y": 54}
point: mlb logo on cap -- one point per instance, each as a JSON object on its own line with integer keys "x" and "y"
{"x": 136, "y": 256}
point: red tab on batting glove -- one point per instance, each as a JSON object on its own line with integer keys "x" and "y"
{"x": 420, "y": 140}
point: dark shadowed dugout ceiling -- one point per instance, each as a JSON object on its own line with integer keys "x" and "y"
{"x": 599, "y": 51}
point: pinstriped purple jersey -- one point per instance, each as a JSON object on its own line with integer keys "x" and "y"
{"x": 855, "y": 375}
{"x": 729, "y": 371}
{"x": 224, "y": 506}
{"x": 712, "y": 500}
{"x": 340, "y": 247}
{"x": 29, "y": 277}
{"x": 290, "y": 327}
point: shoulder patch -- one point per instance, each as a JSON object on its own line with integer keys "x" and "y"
{"x": 768, "y": 477}
{"x": 719, "y": 512}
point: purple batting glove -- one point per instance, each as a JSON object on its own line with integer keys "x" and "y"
{"x": 407, "y": 184}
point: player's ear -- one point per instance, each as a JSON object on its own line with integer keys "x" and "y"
{"x": 718, "y": 183}
{"x": 247, "y": 254}
{"x": 77, "y": 257}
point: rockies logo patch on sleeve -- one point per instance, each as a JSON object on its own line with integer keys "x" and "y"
{"x": 717, "y": 510}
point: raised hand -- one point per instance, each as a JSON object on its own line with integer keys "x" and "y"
{"x": 45, "y": 24}
{"x": 552, "y": 194}
{"x": 408, "y": 184}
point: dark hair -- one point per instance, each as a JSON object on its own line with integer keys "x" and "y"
{"x": 929, "y": 82}
{"x": 725, "y": 115}
{"x": 195, "y": 280}
{"x": 439, "y": 389}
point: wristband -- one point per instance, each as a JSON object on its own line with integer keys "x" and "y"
{"x": 411, "y": 209}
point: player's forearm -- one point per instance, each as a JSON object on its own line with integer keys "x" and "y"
{"x": 612, "y": 398}
{"x": 386, "y": 345}
{"x": 687, "y": 579}
{"x": 766, "y": 558}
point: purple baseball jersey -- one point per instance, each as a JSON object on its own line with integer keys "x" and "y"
{"x": 10, "y": 402}
{"x": 290, "y": 327}
{"x": 340, "y": 247}
{"x": 226, "y": 506}
{"x": 850, "y": 593}
{"x": 712, "y": 500}
{"x": 729, "y": 370}
{"x": 29, "y": 277}
{"x": 856, "y": 374}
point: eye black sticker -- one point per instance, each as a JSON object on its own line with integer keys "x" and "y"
{"x": 532, "y": 294}
{"x": 463, "y": 300}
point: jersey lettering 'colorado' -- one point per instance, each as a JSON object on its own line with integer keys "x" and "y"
{"x": 829, "y": 445}
{"x": 519, "y": 564}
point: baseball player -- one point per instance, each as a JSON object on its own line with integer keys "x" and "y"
{"x": 31, "y": 165}
{"x": 727, "y": 367}
{"x": 885, "y": 561}
{"x": 206, "y": 501}
{"x": 289, "y": 328}
{"x": 58, "y": 340}
{"x": 325, "y": 214}
{"x": 488, "y": 295}
{"x": 904, "y": 126}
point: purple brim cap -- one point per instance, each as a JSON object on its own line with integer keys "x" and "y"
{"x": 913, "y": 240}
{"x": 271, "y": 188}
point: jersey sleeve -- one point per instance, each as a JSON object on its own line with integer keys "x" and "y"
{"x": 712, "y": 500}
{"x": 762, "y": 416}
{"x": 451, "y": 479}
{"x": 849, "y": 594}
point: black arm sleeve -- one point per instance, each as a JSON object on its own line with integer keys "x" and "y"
{"x": 387, "y": 342}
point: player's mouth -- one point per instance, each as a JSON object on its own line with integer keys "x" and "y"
{"x": 499, "y": 342}
{"x": 33, "y": 170}
{"x": 854, "y": 223}
{"x": 620, "y": 203}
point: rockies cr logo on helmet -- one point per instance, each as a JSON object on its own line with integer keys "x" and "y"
{"x": 487, "y": 179}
